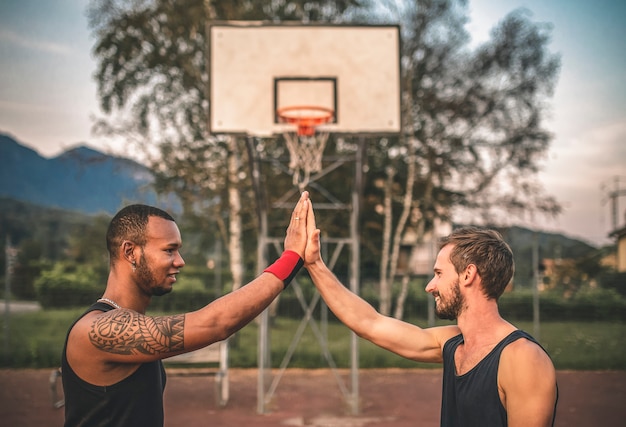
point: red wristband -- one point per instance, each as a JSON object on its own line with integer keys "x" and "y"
{"x": 286, "y": 267}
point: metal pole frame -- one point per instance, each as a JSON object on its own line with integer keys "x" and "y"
{"x": 352, "y": 243}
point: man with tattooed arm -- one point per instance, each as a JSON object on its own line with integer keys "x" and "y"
{"x": 111, "y": 363}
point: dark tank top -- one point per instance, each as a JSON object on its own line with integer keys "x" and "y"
{"x": 472, "y": 399}
{"x": 134, "y": 401}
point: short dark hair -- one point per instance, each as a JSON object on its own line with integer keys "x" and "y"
{"x": 488, "y": 251}
{"x": 130, "y": 224}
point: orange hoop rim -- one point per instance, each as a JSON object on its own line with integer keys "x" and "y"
{"x": 305, "y": 117}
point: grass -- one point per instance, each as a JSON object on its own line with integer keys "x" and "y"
{"x": 36, "y": 341}
{"x": 584, "y": 345}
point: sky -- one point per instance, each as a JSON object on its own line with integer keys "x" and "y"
{"x": 48, "y": 96}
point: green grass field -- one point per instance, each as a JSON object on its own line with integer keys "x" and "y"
{"x": 35, "y": 340}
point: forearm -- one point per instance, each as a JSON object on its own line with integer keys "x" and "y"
{"x": 231, "y": 312}
{"x": 352, "y": 310}
{"x": 399, "y": 337}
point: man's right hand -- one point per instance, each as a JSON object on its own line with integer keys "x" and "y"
{"x": 296, "y": 235}
{"x": 312, "y": 251}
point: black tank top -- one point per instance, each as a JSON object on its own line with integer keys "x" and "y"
{"x": 472, "y": 399}
{"x": 135, "y": 401}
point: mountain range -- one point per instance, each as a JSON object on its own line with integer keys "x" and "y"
{"x": 87, "y": 181}
{"x": 80, "y": 179}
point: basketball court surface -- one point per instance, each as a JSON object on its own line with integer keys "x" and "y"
{"x": 390, "y": 398}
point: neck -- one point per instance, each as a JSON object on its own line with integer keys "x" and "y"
{"x": 481, "y": 323}
{"x": 126, "y": 293}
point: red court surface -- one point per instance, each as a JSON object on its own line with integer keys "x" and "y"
{"x": 389, "y": 397}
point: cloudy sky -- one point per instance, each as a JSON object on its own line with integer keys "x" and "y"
{"x": 48, "y": 95}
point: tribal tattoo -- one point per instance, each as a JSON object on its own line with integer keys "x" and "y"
{"x": 128, "y": 332}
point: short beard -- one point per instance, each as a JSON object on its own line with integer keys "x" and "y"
{"x": 452, "y": 308}
{"x": 147, "y": 280}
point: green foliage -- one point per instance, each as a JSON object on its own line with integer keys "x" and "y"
{"x": 24, "y": 275}
{"x": 41, "y": 235}
{"x": 189, "y": 294}
{"x": 36, "y": 341}
{"x": 589, "y": 305}
{"x": 69, "y": 285}
{"x": 613, "y": 280}
{"x": 474, "y": 117}
{"x": 43, "y": 231}
{"x": 583, "y": 345}
{"x": 152, "y": 76}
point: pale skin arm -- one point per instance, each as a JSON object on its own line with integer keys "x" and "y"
{"x": 125, "y": 336}
{"x": 402, "y": 338}
{"x": 527, "y": 384}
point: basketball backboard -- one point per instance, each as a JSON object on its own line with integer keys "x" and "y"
{"x": 258, "y": 68}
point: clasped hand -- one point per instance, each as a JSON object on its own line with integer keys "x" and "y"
{"x": 302, "y": 236}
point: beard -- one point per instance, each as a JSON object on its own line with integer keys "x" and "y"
{"x": 147, "y": 280}
{"x": 449, "y": 309}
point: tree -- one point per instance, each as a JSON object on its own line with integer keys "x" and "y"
{"x": 153, "y": 84}
{"x": 473, "y": 124}
{"x": 472, "y": 135}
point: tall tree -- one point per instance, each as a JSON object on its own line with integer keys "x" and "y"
{"x": 473, "y": 130}
{"x": 473, "y": 123}
{"x": 153, "y": 86}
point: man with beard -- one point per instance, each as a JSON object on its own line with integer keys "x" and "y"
{"x": 111, "y": 362}
{"x": 493, "y": 373}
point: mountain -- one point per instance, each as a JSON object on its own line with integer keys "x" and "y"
{"x": 550, "y": 245}
{"x": 86, "y": 181}
{"x": 80, "y": 179}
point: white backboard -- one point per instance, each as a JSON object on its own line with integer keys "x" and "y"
{"x": 257, "y": 68}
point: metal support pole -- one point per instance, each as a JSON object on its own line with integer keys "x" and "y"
{"x": 535, "y": 261}
{"x": 8, "y": 260}
{"x": 265, "y": 393}
{"x": 263, "y": 353}
{"x": 355, "y": 275}
{"x": 430, "y": 299}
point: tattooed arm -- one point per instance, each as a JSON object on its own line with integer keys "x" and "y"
{"x": 127, "y": 337}
{"x": 127, "y": 332}
{"x": 106, "y": 347}
{"x": 103, "y": 347}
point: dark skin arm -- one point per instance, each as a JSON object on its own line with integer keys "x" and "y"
{"x": 126, "y": 332}
{"x": 105, "y": 347}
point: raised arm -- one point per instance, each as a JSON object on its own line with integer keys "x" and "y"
{"x": 402, "y": 338}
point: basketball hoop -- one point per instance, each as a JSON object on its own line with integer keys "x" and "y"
{"x": 306, "y": 142}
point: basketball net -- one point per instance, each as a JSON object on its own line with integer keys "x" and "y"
{"x": 306, "y": 143}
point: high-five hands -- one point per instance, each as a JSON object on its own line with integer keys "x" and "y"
{"x": 296, "y": 235}
{"x": 292, "y": 259}
{"x": 302, "y": 236}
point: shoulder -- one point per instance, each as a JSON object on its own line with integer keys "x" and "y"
{"x": 525, "y": 362}
{"x": 97, "y": 329}
{"x": 85, "y": 323}
{"x": 79, "y": 350}
{"x": 78, "y": 336}
{"x": 527, "y": 383}
{"x": 524, "y": 350}
{"x": 445, "y": 334}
